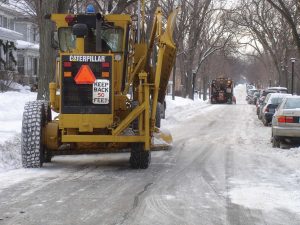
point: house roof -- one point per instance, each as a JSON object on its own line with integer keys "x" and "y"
{"x": 18, "y": 8}
{"x": 10, "y": 35}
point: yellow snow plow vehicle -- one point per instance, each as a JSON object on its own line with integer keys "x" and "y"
{"x": 110, "y": 85}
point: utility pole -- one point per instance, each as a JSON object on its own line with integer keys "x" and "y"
{"x": 293, "y": 60}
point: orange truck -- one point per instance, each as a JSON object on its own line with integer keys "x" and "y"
{"x": 221, "y": 91}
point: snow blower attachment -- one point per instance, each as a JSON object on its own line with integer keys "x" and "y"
{"x": 103, "y": 60}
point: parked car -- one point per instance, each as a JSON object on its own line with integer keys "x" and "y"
{"x": 278, "y": 89}
{"x": 250, "y": 95}
{"x": 249, "y": 86}
{"x": 259, "y": 103}
{"x": 256, "y": 97}
{"x": 286, "y": 121}
{"x": 270, "y": 104}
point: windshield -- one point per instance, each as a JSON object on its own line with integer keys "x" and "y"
{"x": 113, "y": 38}
{"x": 292, "y": 103}
{"x": 66, "y": 39}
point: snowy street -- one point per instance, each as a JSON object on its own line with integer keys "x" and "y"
{"x": 221, "y": 170}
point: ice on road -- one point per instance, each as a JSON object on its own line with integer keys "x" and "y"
{"x": 221, "y": 170}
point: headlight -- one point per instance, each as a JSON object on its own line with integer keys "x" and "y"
{"x": 118, "y": 57}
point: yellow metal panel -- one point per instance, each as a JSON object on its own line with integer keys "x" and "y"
{"x": 51, "y": 135}
{"x": 85, "y": 122}
{"x": 101, "y": 138}
{"x": 59, "y": 19}
{"x": 118, "y": 18}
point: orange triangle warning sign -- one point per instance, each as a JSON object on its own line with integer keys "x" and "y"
{"x": 85, "y": 75}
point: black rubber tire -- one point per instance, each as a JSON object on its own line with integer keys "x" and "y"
{"x": 47, "y": 109}
{"x": 32, "y": 127}
{"x": 139, "y": 158}
{"x": 265, "y": 122}
{"x": 48, "y": 117}
{"x": 158, "y": 115}
{"x": 259, "y": 117}
{"x": 275, "y": 142}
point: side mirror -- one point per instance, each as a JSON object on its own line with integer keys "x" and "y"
{"x": 54, "y": 40}
{"x": 80, "y": 30}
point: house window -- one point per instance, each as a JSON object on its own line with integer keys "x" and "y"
{"x": 35, "y": 66}
{"x": 21, "y": 62}
{"x": 4, "y": 22}
{"x": 11, "y": 24}
{"x": 29, "y": 66}
{"x": 28, "y": 34}
{"x": 34, "y": 34}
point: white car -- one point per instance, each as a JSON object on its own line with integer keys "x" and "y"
{"x": 278, "y": 89}
{"x": 286, "y": 121}
{"x": 269, "y": 106}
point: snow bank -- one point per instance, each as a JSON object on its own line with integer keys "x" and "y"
{"x": 11, "y": 111}
{"x": 16, "y": 86}
{"x": 240, "y": 94}
{"x": 10, "y": 154}
{"x": 272, "y": 180}
{"x": 182, "y": 109}
{"x": 265, "y": 196}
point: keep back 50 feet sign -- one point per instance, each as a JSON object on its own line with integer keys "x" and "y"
{"x": 101, "y": 91}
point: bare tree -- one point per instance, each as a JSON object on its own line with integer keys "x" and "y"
{"x": 266, "y": 32}
{"x": 289, "y": 9}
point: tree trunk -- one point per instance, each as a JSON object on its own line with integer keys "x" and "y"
{"x": 205, "y": 82}
{"x": 47, "y": 53}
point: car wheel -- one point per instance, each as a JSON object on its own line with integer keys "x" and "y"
{"x": 139, "y": 158}
{"x": 276, "y": 142}
{"x": 265, "y": 122}
{"x": 259, "y": 116}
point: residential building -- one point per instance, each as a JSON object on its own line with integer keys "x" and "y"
{"x": 19, "y": 48}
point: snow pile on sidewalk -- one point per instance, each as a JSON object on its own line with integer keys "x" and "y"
{"x": 13, "y": 86}
{"x": 11, "y": 111}
{"x": 182, "y": 109}
{"x": 240, "y": 94}
{"x": 10, "y": 157}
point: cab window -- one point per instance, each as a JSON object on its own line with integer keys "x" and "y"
{"x": 113, "y": 38}
{"x": 66, "y": 39}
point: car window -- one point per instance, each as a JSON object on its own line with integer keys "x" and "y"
{"x": 265, "y": 93}
{"x": 267, "y": 98}
{"x": 292, "y": 103}
{"x": 276, "y": 101}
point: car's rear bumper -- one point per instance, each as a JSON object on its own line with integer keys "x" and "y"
{"x": 286, "y": 131}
